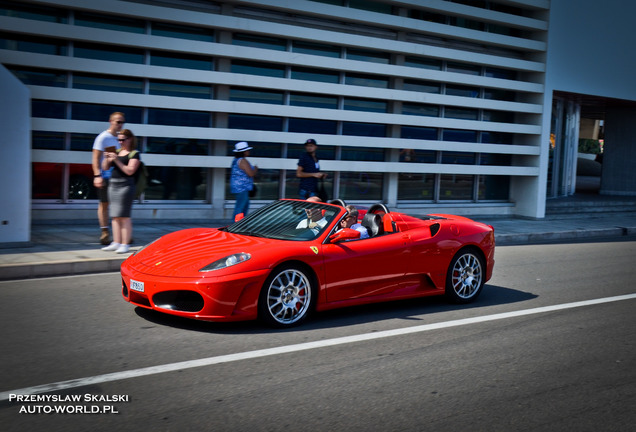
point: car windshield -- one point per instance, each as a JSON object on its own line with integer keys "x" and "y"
{"x": 287, "y": 220}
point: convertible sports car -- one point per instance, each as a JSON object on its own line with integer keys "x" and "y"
{"x": 292, "y": 257}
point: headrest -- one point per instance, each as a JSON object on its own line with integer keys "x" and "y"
{"x": 373, "y": 223}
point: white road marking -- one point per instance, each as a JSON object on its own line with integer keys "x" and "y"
{"x": 153, "y": 370}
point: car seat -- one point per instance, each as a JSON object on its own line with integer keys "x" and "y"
{"x": 373, "y": 223}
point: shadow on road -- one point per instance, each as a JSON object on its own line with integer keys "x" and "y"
{"x": 409, "y": 310}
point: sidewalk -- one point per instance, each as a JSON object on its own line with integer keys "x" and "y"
{"x": 66, "y": 249}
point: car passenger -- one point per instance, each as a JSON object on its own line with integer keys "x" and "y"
{"x": 351, "y": 221}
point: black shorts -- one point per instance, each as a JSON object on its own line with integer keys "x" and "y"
{"x": 103, "y": 191}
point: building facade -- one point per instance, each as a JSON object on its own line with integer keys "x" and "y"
{"x": 428, "y": 106}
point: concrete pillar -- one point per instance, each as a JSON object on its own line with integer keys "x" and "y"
{"x": 15, "y": 170}
{"x": 619, "y": 152}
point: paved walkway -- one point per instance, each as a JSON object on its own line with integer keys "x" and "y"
{"x": 62, "y": 249}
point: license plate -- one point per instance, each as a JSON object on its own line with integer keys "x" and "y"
{"x": 136, "y": 286}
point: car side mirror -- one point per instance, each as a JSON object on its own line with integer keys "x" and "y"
{"x": 345, "y": 234}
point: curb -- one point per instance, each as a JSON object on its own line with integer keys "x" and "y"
{"x": 59, "y": 268}
{"x": 105, "y": 265}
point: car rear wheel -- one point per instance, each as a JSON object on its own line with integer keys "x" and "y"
{"x": 466, "y": 276}
{"x": 287, "y": 297}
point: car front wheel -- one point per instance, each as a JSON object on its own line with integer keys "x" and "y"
{"x": 286, "y": 298}
{"x": 465, "y": 277}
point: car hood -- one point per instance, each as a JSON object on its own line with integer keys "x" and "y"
{"x": 184, "y": 253}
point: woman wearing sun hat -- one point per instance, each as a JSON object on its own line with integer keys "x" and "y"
{"x": 242, "y": 178}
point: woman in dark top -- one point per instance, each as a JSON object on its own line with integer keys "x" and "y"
{"x": 121, "y": 189}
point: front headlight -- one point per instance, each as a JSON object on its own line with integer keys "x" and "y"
{"x": 228, "y": 261}
{"x": 145, "y": 246}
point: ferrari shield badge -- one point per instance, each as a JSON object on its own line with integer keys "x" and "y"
{"x": 315, "y": 249}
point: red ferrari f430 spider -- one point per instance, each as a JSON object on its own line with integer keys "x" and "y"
{"x": 292, "y": 257}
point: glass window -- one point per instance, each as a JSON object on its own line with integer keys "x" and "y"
{"x": 463, "y": 158}
{"x": 46, "y": 180}
{"x": 324, "y": 152}
{"x": 93, "y": 112}
{"x": 84, "y": 142}
{"x": 108, "y": 83}
{"x": 179, "y": 89}
{"x": 40, "y": 77}
{"x": 108, "y": 52}
{"x": 496, "y": 138}
{"x": 362, "y": 154}
{"x": 421, "y": 86}
{"x": 314, "y": 101}
{"x": 47, "y": 140}
{"x": 463, "y": 68}
{"x": 418, "y": 156}
{"x": 364, "y": 129}
{"x": 176, "y": 183}
{"x": 366, "y": 80}
{"x": 316, "y": 49}
{"x": 461, "y": 113}
{"x": 371, "y": 6}
{"x": 495, "y": 159}
{"x": 110, "y": 22}
{"x": 267, "y": 184}
{"x": 260, "y": 149}
{"x": 472, "y": 92}
{"x": 176, "y": 146}
{"x": 360, "y": 186}
{"x": 182, "y": 32}
{"x": 499, "y": 73}
{"x": 255, "y": 41}
{"x": 420, "y": 109}
{"x": 48, "y": 109}
{"x": 369, "y": 105}
{"x": 456, "y": 187}
{"x": 178, "y": 118}
{"x": 459, "y": 135}
{"x": 414, "y": 132}
{"x": 244, "y": 94}
{"x": 494, "y": 187}
{"x": 261, "y": 69}
{"x": 253, "y": 122}
{"x": 423, "y": 63}
{"x": 181, "y": 60}
{"x": 292, "y": 184}
{"x": 312, "y": 126}
{"x": 416, "y": 186}
{"x": 41, "y": 45}
{"x": 497, "y": 94}
{"x": 80, "y": 182}
{"x": 307, "y": 74}
{"x": 368, "y": 56}
{"x": 34, "y": 12}
{"x": 498, "y": 116}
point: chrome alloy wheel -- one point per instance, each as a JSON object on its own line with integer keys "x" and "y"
{"x": 288, "y": 296}
{"x": 466, "y": 276}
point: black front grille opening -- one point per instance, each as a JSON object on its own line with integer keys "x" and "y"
{"x": 124, "y": 288}
{"x": 183, "y": 301}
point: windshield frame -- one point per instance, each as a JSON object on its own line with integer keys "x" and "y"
{"x": 283, "y": 220}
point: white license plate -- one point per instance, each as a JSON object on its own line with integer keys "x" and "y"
{"x": 136, "y": 286}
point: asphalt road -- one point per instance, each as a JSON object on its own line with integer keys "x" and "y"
{"x": 550, "y": 346}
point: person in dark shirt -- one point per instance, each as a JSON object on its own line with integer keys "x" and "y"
{"x": 308, "y": 170}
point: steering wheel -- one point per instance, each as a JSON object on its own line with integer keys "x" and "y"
{"x": 378, "y": 208}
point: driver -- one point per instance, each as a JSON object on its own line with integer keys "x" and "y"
{"x": 315, "y": 220}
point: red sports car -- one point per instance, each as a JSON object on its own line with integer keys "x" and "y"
{"x": 292, "y": 257}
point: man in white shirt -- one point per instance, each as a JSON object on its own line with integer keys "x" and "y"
{"x": 108, "y": 138}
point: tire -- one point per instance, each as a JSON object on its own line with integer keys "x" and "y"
{"x": 79, "y": 188}
{"x": 466, "y": 276}
{"x": 287, "y": 297}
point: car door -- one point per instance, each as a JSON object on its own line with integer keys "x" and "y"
{"x": 362, "y": 268}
